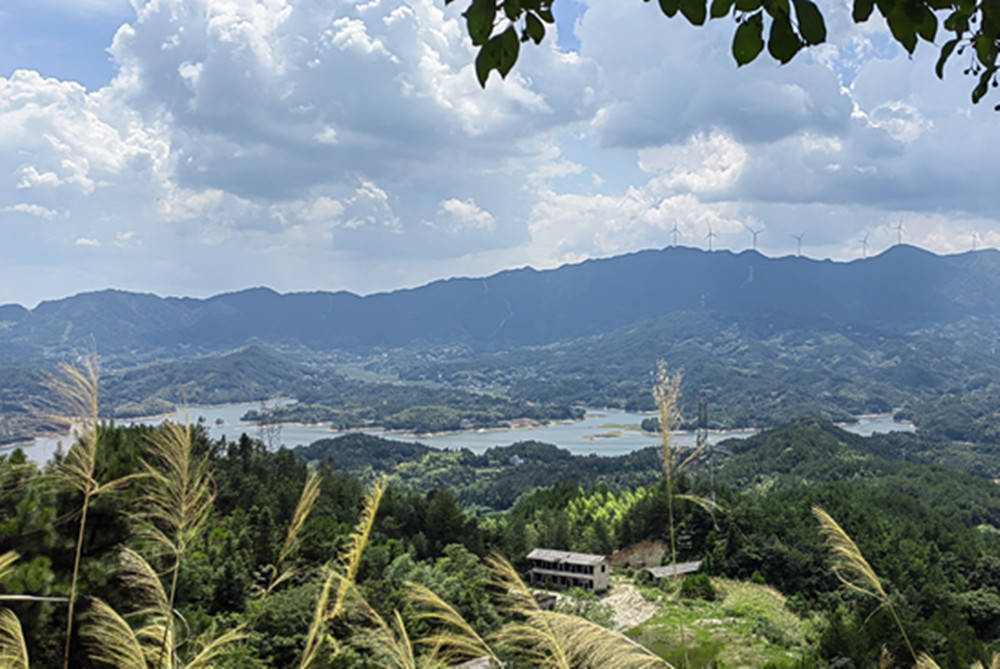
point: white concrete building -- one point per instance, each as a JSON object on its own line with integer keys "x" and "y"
{"x": 564, "y": 569}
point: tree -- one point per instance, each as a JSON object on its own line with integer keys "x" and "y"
{"x": 499, "y": 27}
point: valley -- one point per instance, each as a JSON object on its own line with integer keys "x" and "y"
{"x": 496, "y": 415}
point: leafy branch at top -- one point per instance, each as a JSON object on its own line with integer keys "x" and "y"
{"x": 498, "y": 28}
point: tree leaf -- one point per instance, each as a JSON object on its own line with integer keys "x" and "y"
{"x": 694, "y": 11}
{"x": 925, "y": 21}
{"x": 749, "y": 41}
{"x": 777, "y": 8}
{"x": 811, "y": 24}
{"x": 534, "y": 27}
{"x": 509, "y": 47}
{"x": 946, "y": 50}
{"x": 669, "y": 7}
{"x": 957, "y": 22}
{"x": 783, "y": 43}
{"x": 902, "y": 27}
{"x": 986, "y": 49}
{"x": 984, "y": 84}
{"x": 862, "y": 10}
{"x": 512, "y": 8}
{"x": 545, "y": 14}
{"x": 479, "y": 17}
{"x": 486, "y": 60}
{"x": 721, "y": 8}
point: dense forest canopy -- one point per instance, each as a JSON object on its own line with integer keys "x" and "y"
{"x": 930, "y": 534}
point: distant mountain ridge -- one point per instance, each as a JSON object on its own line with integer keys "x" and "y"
{"x": 902, "y": 288}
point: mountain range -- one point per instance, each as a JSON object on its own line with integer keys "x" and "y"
{"x": 902, "y": 289}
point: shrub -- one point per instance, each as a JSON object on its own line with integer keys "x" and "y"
{"x": 697, "y": 586}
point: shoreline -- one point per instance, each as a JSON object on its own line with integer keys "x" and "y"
{"x": 514, "y": 424}
{"x": 178, "y": 409}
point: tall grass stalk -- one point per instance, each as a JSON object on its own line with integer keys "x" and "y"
{"x": 666, "y": 393}
{"x": 457, "y": 639}
{"x": 340, "y": 577}
{"x": 13, "y": 650}
{"x": 388, "y": 643}
{"x": 114, "y": 641}
{"x": 75, "y": 405}
{"x": 177, "y": 499}
{"x": 310, "y": 493}
{"x": 853, "y": 570}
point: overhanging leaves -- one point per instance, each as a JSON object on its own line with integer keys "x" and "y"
{"x": 720, "y": 8}
{"x": 972, "y": 25}
{"x": 862, "y": 10}
{"x": 749, "y": 40}
{"x": 694, "y": 11}
{"x": 946, "y": 51}
{"x": 534, "y": 27}
{"x": 902, "y": 27}
{"x": 479, "y": 18}
{"x": 783, "y": 43}
{"x": 811, "y": 23}
{"x": 669, "y": 7}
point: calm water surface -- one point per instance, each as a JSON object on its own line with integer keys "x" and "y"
{"x": 581, "y": 437}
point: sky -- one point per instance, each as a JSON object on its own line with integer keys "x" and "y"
{"x": 191, "y": 147}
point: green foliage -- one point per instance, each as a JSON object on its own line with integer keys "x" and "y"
{"x": 697, "y": 586}
{"x": 755, "y": 375}
{"x": 923, "y": 528}
{"x": 495, "y": 479}
{"x": 976, "y": 27}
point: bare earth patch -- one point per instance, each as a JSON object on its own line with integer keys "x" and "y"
{"x": 630, "y": 609}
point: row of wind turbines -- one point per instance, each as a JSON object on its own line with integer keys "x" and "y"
{"x": 863, "y": 242}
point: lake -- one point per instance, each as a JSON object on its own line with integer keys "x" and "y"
{"x": 600, "y": 432}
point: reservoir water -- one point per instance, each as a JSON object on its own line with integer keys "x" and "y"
{"x": 602, "y": 432}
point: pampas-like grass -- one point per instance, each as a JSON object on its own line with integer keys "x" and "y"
{"x": 456, "y": 639}
{"x": 75, "y": 405}
{"x": 13, "y": 650}
{"x": 7, "y": 561}
{"x": 112, "y": 640}
{"x": 666, "y": 393}
{"x": 994, "y": 663}
{"x": 340, "y": 577}
{"x": 176, "y": 502}
{"x": 853, "y": 570}
{"x": 310, "y": 493}
{"x": 388, "y": 644}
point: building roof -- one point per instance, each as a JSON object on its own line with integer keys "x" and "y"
{"x": 549, "y": 555}
{"x": 668, "y": 569}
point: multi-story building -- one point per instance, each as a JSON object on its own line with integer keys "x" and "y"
{"x": 563, "y": 569}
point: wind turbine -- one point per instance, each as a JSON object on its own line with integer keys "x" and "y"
{"x": 975, "y": 239}
{"x": 754, "y": 233}
{"x": 899, "y": 232}
{"x": 709, "y": 236}
{"x": 864, "y": 245}
{"x": 676, "y": 231}
{"x": 798, "y": 238}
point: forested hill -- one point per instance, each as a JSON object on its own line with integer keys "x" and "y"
{"x": 903, "y": 288}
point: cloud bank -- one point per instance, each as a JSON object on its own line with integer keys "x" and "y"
{"x": 333, "y": 144}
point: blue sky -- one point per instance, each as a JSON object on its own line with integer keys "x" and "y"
{"x": 187, "y": 147}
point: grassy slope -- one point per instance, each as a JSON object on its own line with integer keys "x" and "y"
{"x": 747, "y": 625}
